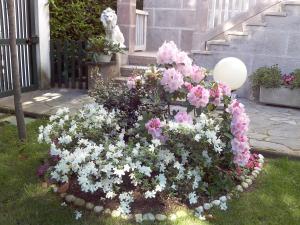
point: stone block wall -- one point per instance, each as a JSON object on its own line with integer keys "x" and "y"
{"x": 170, "y": 20}
{"x": 277, "y": 43}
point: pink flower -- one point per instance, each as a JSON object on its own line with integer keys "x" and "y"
{"x": 154, "y": 127}
{"x": 185, "y": 70}
{"x": 167, "y": 53}
{"x": 131, "y": 83}
{"x": 172, "y": 80}
{"x": 198, "y": 96}
{"x": 188, "y": 86}
{"x": 183, "y": 58}
{"x": 240, "y": 125}
{"x": 197, "y": 73}
{"x": 226, "y": 90}
{"x": 239, "y": 128}
{"x": 242, "y": 158}
{"x": 183, "y": 117}
{"x": 216, "y": 95}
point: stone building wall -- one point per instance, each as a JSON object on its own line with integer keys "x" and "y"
{"x": 170, "y": 20}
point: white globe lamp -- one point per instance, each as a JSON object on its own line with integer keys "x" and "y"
{"x": 231, "y": 71}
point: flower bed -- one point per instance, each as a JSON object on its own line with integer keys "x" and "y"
{"x": 134, "y": 151}
{"x": 275, "y": 88}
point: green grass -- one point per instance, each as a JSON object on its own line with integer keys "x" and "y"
{"x": 275, "y": 199}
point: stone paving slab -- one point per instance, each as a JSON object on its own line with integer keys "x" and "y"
{"x": 46, "y": 102}
{"x": 272, "y": 129}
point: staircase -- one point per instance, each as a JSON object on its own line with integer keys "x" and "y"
{"x": 137, "y": 63}
{"x": 271, "y": 37}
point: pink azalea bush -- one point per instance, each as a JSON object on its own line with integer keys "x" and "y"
{"x": 183, "y": 117}
{"x": 154, "y": 128}
{"x": 239, "y": 128}
{"x": 172, "y": 80}
{"x": 198, "y": 96}
{"x": 197, "y": 74}
{"x": 167, "y": 53}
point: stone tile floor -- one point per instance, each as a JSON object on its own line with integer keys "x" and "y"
{"x": 274, "y": 130}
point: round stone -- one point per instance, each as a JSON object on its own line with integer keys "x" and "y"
{"x": 223, "y": 199}
{"x": 181, "y": 213}
{"x": 239, "y": 188}
{"x": 216, "y": 202}
{"x": 70, "y": 198}
{"x": 89, "y": 205}
{"x": 242, "y": 178}
{"x": 115, "y": 213}
{"x": 248, "y": 181}
{"x": 149, "y": 217}
{"x": 79, "y": 202}
{"x": 257, "y": 169}
{"x": 126, "y": 217}
{"x": 245, "y": 185}
{"x": 138, "y": 218}
{"x": 261, "y": 160}
{"x": 172, "y": 217}
{"x": 207, "y": 206}
{"x": 161, "y": 217}
{"x": 98, "y": 209}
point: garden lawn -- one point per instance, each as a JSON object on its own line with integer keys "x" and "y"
{"x": 274, "y": 200}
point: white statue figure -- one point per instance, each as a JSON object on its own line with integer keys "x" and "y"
{"x": 109, "y": 20}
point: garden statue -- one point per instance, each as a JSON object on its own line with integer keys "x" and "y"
{"x": 109, "y": 20}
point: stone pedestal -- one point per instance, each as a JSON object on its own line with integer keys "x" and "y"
{"x": 107, "y": 71}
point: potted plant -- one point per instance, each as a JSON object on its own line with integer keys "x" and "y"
{"x": 275, "y": 88}
{"x": 101, "y": 49}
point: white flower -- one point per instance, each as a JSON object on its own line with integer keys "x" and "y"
{"x": 150, "y": 194}
{"x": 193, "y": 198}
{"x": 65, "y": 139}
{"x": 78, "y": 215}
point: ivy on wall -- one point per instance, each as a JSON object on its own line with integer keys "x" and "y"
{"x": 77, "y": 19}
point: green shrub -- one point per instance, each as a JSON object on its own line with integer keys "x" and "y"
{"x": 268, "y": 77}
{"x": 296, "y": 82}
{"x": 77, "y": 19}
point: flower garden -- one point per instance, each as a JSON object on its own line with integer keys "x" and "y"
{"x": 169, "y": 137}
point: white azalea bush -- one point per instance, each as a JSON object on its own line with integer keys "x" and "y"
{"x": 134, "y": 143}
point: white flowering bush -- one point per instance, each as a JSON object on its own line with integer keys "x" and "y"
{"x": 194, "y": 154}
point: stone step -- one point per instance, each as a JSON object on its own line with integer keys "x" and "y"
{"x": 236, "y": 33}
{"x": 217, "y": 42}
{"x": 120, "y": 80}
{"x": 291, "y": 3}
{"x": 129, "y": 70}
{"x": 142, "y": 58}
{"x": 201, "y": 52}
{"x": 280, "y": 14}
{"x": 256, "y": 24}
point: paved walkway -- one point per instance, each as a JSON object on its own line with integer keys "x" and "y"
{"x": 46, "y": 102}
{"x": 272, "y": 129}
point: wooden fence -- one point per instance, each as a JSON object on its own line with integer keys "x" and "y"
{"x": 68, "y": 67}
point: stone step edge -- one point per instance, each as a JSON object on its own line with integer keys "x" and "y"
{"x": 280, "y": 14}
{"x": 272, "y": 154}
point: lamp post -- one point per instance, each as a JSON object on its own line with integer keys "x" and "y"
{"x": 231, "y": 71}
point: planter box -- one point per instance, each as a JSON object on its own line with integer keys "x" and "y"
{"x": 280, "y": 96}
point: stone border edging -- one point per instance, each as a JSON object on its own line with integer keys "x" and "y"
{"x": 246, "y": 182}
